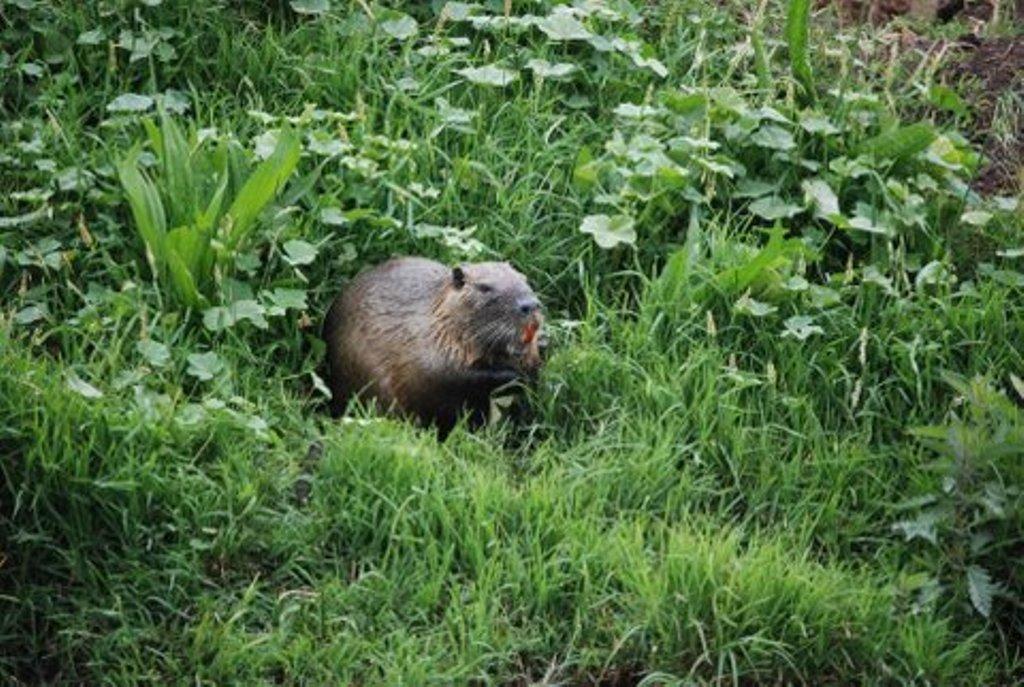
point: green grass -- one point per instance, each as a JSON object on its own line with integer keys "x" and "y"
{"x": 693, "y": 494}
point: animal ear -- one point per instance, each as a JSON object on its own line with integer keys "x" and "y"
{"x": 458, "y": 277}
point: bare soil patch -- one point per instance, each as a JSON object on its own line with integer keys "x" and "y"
{"x": 990, "y": 72}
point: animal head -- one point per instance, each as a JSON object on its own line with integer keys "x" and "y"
{"x": 493, "y": 303}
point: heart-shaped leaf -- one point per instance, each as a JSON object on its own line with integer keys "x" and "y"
{"x": 155, "y": 353}
{"x": 489, "y": 75}
{"x": 130, "y": 102}
{"x": 800, "y": 327}
{"x": 826, "y": 204}
{"x": 562, "y": 26}
{"x": 609, "y": 232}
{"x": 205, "y": 366}
{"x": 82, "y": 387}
{"x": 547, "y": 70}
{"x": 401, "y": 28}
{"x": 748, "y": 306}
{"x": 298, "y": 252}
{"x": 774, "y": 137}
{"x": 310, "y": 6}
{"x": 772, "y": 208}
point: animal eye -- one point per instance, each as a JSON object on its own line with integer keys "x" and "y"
{"x": 484, "y": 288}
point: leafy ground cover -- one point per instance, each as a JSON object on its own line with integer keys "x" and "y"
{"x": 779, "y": 438}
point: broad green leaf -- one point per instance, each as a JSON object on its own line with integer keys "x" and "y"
{"x": 223, "y": 317}
{"x": 327, "y": 144}
{"x": 249, "y": 310}
{"x": 313, "y": 7}
{"x": 74, "y": 179}
{"x": 754, "y": 188}
{"x": 1006, "y": 277}
{"x": 685, "y": 104}
{"x": 800, "y": 327}
{"x": 401, "y": 27}
{"x": 93, "y": 37}
{"x": 774, "y": 137}
{"x": 174, "y": 101}
{"x": 609, "y": 232}
{"x": 719, "y": 165}
{"x": 817, "y": 191}
{"x": 562, "y": 26}
{"x": 205, "y": 366}
{"x": 31, "y": 313}
{"x": 27, "y": 218}
{"x": 871, "y": 275}
{"x": 33, "y": 69}
{"x": 796, "y": 283}
{"x": 333, "y": 217}
{"x": 217, "y": 318}
{"x": 82, "y": 387}
{"x": 865, "y": 223}
{"x": 823, "y": 296}
{"x": 454, "y": 116}
{"x": 767, "y": 112}
{"x": 921, "y": 527}
{"x": 299, "y": 252}
{"x": 489, "y": 75}
{"x": 1011, "y": 253}
{"x": 748, "y": 306}
{"x": 652, "y": 63}
{"x": 265, "y": 144}
{"x": 458, "y": 11}
{"x": 130, "y": 102}
{"x": 632, "y": 111}
{"x": 287, "y": 299}
{"x": 772, "y": 208}
{"x": 547, "y": 70}
{"x": 814, "y": 123}
{"x": 155, "y": 353}
{"x": 933, "y": 273}
{"x": 1006, "y": 203}
{"x": 981, "y": 589}
{"x": 947, "y": 99}
{"x": 976, "y": 218}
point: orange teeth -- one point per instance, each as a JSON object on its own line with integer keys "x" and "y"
{"x": 529, "y": 332}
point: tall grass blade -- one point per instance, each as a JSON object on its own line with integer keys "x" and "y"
{"x": 187, "y": 249}
{"x": 260, "y": 188}
{"x": 177, "y": 170}
{"x": 797, "y": 23}
{"x": 901, "y": 143}
{"x": 147, "y": 209}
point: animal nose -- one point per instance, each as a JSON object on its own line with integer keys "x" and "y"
{"x": 528, "y": 305}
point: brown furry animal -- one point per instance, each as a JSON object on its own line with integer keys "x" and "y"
{"x": 432, "y": 342}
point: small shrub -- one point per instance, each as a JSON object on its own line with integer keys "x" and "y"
{"x": 851, "y": 179}
{"x": 972, "y": 521}
{"x": 200, "y": 204}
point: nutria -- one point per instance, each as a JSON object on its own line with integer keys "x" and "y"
{"x": 432, "y": 342}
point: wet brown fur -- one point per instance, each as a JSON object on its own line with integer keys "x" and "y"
{"x": 415, "y": 339}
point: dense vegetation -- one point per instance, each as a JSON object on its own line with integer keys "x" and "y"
{"x": 778, "y": 439}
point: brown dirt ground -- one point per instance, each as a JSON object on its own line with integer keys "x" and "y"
{"x": 988, "y": 68}
{"x": 984, "y": 70}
